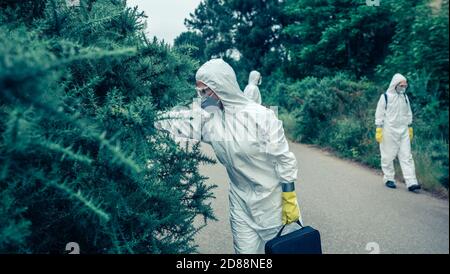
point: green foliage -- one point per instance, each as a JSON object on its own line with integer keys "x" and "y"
{"x": 317, "y": 104}
{"x": 14, "y": 229}
{"x": 80, "y": 160}
{"x": 18, "y": 12}
{"x": 194, "y": 44}
{"x": 346, "y": 136}
{"x": 249, "y": 29}
{"x": 420, "y": 44}
{"x": 313, "y": 113}
{"x": 325, "y": 37}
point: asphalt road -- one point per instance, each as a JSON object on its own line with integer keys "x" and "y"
{"x": 349, "y": 205}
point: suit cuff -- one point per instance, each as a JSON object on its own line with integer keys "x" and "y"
{"x": 288, "y": 186}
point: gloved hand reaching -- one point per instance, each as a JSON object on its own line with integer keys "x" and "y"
{"x": 290, "y": 210}
{"x": 379, "y": 135}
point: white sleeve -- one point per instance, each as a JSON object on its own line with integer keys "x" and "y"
{"x": 380, "y": 113}
{"x": 410, "y": 115}
{"x": 277, "y": 147}
{"x": 186, "y": 123}
{"x": 257, "y": 96}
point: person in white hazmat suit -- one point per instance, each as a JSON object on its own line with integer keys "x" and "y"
{"x": 251, "y": 91}
{"x": 393, "y": 119}
{"x": 249, "y": 141}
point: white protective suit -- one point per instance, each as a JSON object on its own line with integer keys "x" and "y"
{"x": 249, "y": 141}
{"x": 251, "y": 91}
{"x": 395, "y": 119}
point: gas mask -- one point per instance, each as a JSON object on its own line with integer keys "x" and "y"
{"x": 401, "y": 89}
{"x": 207, "y": 99}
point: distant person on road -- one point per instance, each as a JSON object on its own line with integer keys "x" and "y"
{"x": 394, "y": 133}
{"x": 248, "y": 139}
{"x": 252, "y": 89}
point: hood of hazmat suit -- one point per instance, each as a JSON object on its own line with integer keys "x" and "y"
{"x": 394, "y": 115}
{"x": 254, "y": 78}
{"x": 252, "y": 90}
{"x": 248, "y": 139}
{"x": 221, "y": 78}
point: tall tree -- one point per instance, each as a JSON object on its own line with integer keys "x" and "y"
{"x": 248, "y": 31}
{"x": 193, "y": 43}
{"x": 324, "y": 37}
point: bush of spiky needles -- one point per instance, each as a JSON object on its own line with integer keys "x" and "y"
{"x": 80, "y": 160}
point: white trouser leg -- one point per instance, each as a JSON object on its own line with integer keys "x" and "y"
{"x": 388, "y": 150}
{"x": 245, "y": 239}
{"x": 406, "y": 161}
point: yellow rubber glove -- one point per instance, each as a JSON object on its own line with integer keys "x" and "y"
{"x": 290, "y": 211}
{"x": 379, "y": 135}
{"x": 411, "y": 133}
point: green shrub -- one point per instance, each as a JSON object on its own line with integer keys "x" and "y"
{"x": 345, "y": 137}
{"x": 317, "y": 105}
{"x": 80, "y": 160}
{"x": 288, "y": 123}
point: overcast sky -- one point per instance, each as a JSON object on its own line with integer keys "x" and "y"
{"x": 165, "y": 17}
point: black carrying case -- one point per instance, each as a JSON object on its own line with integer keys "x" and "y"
{"x": 305, "y": 240}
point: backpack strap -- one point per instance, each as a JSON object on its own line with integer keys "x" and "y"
{"x": 386, "y": 99}
{"x": 407, "y": 99}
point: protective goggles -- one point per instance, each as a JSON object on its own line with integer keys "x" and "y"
{"x": 203, "y": 92}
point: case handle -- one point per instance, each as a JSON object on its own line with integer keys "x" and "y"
{"x": 281, "y": 231}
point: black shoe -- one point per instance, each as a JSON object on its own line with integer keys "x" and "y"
{"x": 414, "y": 188}
{"x": 390, "y": 184}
